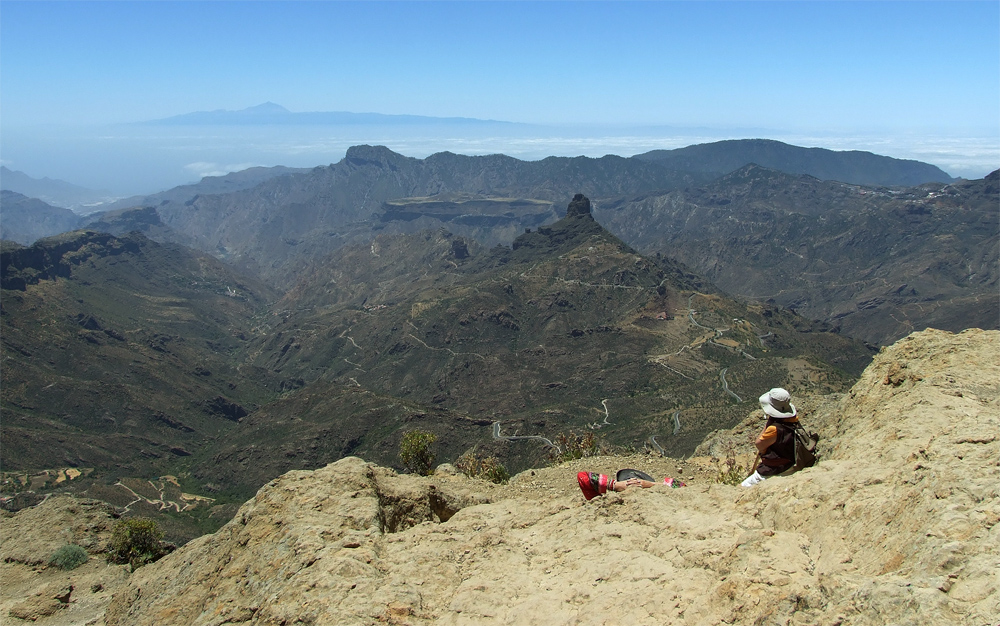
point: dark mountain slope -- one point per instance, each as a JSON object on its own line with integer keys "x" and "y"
{"x": 879, "y": 263}
{"x": 24, "y": 219}
{"x": 143, "y": 219}
{"x": 51, "y": 191}
{"x": 567, "y": 329}
{"x": 122, "y": 354}
{"x": 853, "y": 166}
{"x": 324, "y": 422}
{"x": 209, "y": 185}
{"x": 275, "y": 228}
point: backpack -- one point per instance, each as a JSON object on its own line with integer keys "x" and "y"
{"x": 805, "y": 448}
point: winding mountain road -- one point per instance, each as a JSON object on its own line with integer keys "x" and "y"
{"x": 725, "y": 385}
{"x": 497, "y": 435}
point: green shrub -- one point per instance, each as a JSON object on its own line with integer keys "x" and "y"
{"x": 70, "y": 556}
{"x": 415, "y": 452}
{"x": 485, "y": 467}
{"x": 730, "y": 471}
{"x": 573, "y": 446}
{"x": 135, "y": 541}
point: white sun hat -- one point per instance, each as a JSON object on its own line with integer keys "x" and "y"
{"x": 778, "y": 404}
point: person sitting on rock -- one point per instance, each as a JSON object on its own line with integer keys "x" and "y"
{"x": 593, "y": 484}
{"x": 776, "y": 443}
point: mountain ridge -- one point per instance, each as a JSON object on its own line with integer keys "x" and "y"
{"x": 278, "y": 222}
{"x": 53, "y": 191}
{"x": 850, "y": 166}
{"x": 27, "y": 219}
{"x": 875, "y": 261}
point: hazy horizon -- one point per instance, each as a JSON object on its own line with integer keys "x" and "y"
{"x": 910, "y": 80}
{"x": 135, "y": 160}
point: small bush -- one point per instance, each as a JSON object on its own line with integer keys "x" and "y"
{"x": 730, "y": 471}
{"x": 135, "y": 541}
{"x": 70, "y": 556}
{"x": 573, "y": 446}
{"x": 485, "y": 467}
{"x": 415, "y": 452}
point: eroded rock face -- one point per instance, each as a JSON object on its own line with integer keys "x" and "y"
{"x": 31, "y": 590}
{"x": 578, "y": 206}
{"x": 897, "y": 524}
{"x": 325, "y": 531}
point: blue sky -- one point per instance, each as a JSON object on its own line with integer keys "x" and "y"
{"x": 805, "y": 69}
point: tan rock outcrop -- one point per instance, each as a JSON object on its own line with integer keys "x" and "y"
{"x": 33, "y": 591}
{"x": 898, "y": 524}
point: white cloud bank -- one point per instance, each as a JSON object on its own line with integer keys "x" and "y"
{"x": 201, "y": 169}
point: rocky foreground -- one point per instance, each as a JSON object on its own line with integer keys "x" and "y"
{"x": 899, "y": 524}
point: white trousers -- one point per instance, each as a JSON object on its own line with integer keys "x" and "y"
{"x": 752, "y": 480}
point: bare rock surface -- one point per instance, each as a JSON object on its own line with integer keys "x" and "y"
{"x": 898, "y": 524}
{"x": 31, "y": 590}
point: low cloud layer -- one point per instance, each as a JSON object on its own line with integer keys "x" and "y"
{"x": 202, "y": 168}
{"x": 136, "y": 160}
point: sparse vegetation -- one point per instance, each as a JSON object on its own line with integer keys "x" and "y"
{"x": 473, "y": 465}
{"x": 70, "y": 556}
{"x": 575, "y": 446}
{"x": 730, "y": 471}
{"x": 135, "y": 541}
{"x": 415, "y": 451}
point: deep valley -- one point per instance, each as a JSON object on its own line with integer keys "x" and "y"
{"x": 205, "y": 341}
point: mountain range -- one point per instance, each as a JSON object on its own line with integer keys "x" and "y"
{"x": 226, "y": 332}
{"x": 138, "y": 358}
{"x": 876, "y": 262}
{"x": 25, "y": 220}
{"x": 55, "y": 192}
{"x": 852, "y": 166}
{"x": 919, "y": 255}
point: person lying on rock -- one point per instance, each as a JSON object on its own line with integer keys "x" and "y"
{"x": 776, "y": 443}
{"x": 593, "y": 484}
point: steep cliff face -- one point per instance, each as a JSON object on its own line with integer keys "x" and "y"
{"x": 897, "y": 524}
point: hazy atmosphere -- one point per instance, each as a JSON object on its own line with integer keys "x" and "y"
{"x": 82, "y": 80}
{"x": 328, "y": 312}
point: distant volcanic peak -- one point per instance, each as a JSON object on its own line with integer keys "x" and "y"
{"x": 579, "y": 206}
{"x": 268, "y": 107}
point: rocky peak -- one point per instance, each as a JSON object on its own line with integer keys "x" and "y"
{"x": 579, "y": 206}
{"x": 374, "y": 155}
{"x": 577, "y": 227}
